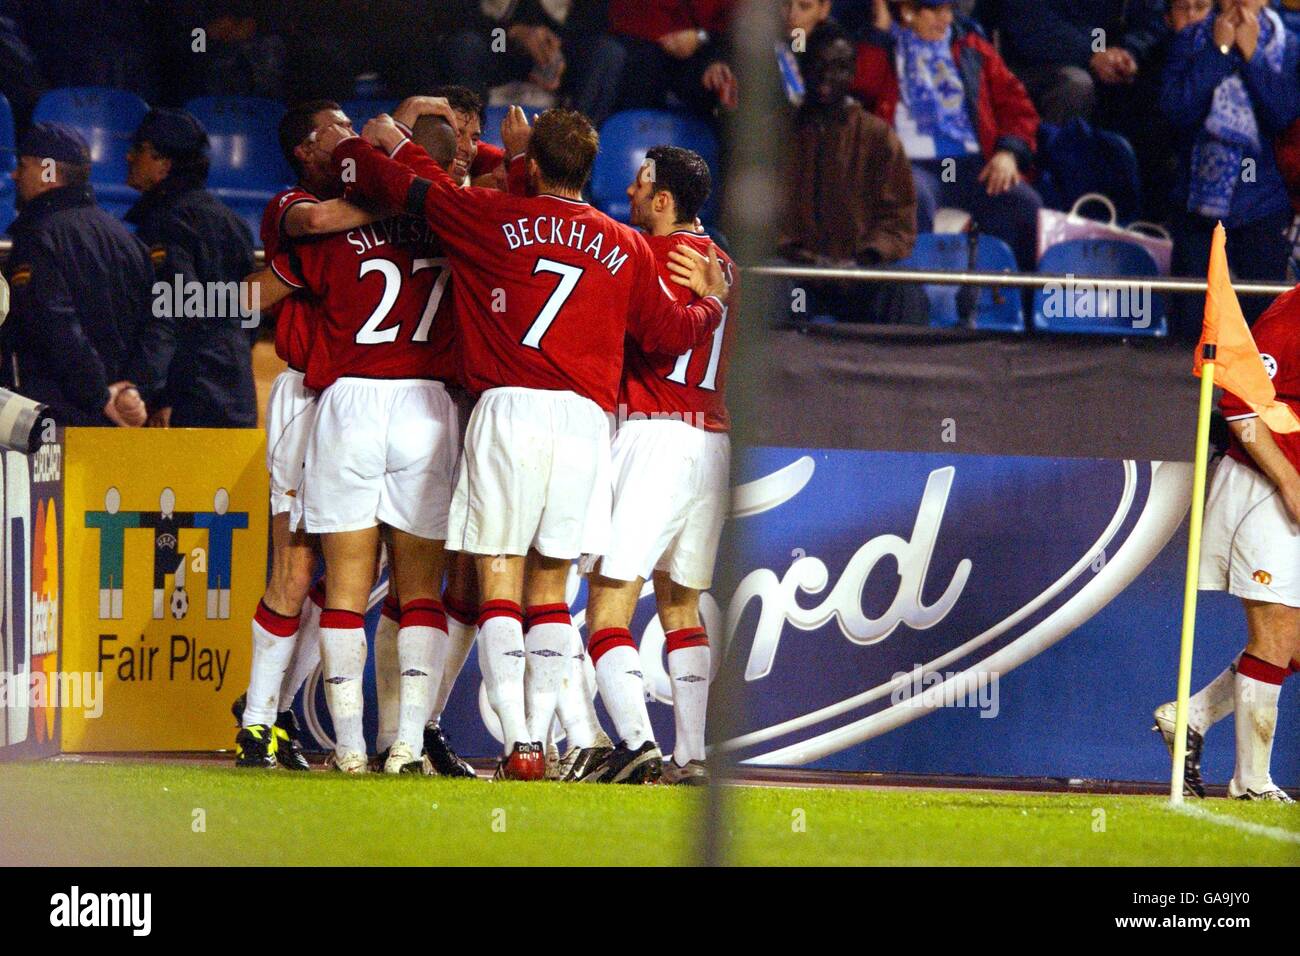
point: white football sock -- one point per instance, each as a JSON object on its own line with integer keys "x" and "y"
{"x": 688, "y": 667}
{"x": 501, "y": 658}
{"x": 460, "y": 638}
{"x": 574, "y": 704}
{"x": 306, "y": 655}
{"x": 274, "y": 637}
{"x": 547, "y": 644}
{"x": 343, "y": 642}
{"x": 1213, "y": 702}
{"x": 1257, "y": 687}
{"x": 622, "y": 687}
{"x": 387, "y": 667}
{"x": 421, "y": 641}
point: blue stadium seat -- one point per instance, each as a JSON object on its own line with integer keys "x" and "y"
{"x": 247, "y": 165}
{"x": 624, "y": 139}
{"x": 997, "y": 309}
{"x": 361, "y": 109}
{"x": 1105, "y": 311}
{"x": 1075, "y": 159}
{"x": 492, "y": 117}
{"x": 108, "y": 119}
{"x": 8, "y": 160}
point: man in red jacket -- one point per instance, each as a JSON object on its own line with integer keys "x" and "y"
{"x": 965, "y": 121}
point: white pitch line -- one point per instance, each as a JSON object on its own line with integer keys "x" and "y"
{"x": 1245, "y": 826}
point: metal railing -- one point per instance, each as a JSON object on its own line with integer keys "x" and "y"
{"x": 1027, "y": 280}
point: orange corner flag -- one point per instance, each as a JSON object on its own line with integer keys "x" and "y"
{"x": 1238, "y": 366}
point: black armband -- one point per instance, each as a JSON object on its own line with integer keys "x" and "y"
{"x": 415, "y": 196}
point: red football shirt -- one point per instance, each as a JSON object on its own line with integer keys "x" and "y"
{"x": 1277, "y": 334}
{"x": 294, "y": 316}
{"x": 688, "y": 386}
{"x": 544, "y": 288}
{"x": 382, "y": 290}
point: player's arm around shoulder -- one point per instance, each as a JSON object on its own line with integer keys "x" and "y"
{"x": 659, "y": 322}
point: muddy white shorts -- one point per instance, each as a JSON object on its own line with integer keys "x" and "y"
{"x": 1250, "y": 547}
{"x": 290, "y": 415}
{"x": 534, "y": 473}
{"x": 671, "y": 495}
{"x": 383, "y": 452}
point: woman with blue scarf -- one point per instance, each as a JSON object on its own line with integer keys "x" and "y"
{"x": 1231, "y": 86}
{"x": 965, "y": 121}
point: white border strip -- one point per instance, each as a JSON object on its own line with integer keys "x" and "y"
{"x": 1280, "y": 834}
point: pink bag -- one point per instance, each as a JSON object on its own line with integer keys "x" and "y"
{"x": 1056, "y": 227}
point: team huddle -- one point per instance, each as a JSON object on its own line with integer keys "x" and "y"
{"x": 488, "y": 380}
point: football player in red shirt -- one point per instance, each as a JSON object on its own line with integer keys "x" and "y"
{"x": 1251, "y": 549}
{"x": 671, "y": 493}
{"x": 285, "y": 645}
{"x": 382, "y": 451}
{"x": 545, "y": 288}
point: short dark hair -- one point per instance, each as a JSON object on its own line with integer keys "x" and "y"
{"x": 461, "y": 99}
{"x": 684, "y": 174}
{"x": 436, "y": 136}
{"x": 73, "y": 174}
{"x": 823, "y": 35}
{"x": 564, "y": 145}
{"x": 297, "y": 124}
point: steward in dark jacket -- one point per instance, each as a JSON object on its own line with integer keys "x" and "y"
{"x": 196, "y": 366}
{"x": 79, "y": 284}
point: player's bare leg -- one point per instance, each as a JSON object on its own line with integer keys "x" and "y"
{"x": 688, "y": 668}
{"x": 350, "y": 558}
{"x": 502, "y": 661}
{"x": 417, "y": 565}
{"x": 276, "y": 634}
{"x": 1274, "y": 639}
{"x": 460, "y": 599}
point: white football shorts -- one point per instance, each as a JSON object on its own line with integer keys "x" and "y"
{"x": 534, "y": 473}
{"x": 1250, "y": 547}
{"x": 671, "y": 496}
{"x": 290, "y": 415}
{"x": 383, "y": 452}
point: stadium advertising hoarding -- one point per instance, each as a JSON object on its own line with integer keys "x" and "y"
{"x": 946, "y": 613}
{"x": 32, "y": 536}
{"x": 165, "y": 560}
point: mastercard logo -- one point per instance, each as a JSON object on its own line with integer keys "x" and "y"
{"x": 1262, "y": 577}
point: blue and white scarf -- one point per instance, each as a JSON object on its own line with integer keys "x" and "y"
{"x": 932, "y": 92}
{"x": 1230, "y": 127}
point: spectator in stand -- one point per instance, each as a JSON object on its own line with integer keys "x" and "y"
{"x": 801, "y": 18}
{"x": 965, "y": 121}
{"x": 1232, "y": 85}
{"x": 1070, "y": 53}
{"x": 92, "y": 42}
{"x": 561, "y": 46}
{"x": 20, "y": 78}
{"x": 852, "y": 202}
{"x": 79, "y": 286}
{"x": 241, "y": 54}
{"x": 675, "y": 48}
{"x": 195, "y": 371}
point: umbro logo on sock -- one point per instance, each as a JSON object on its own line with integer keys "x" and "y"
{"x": 414, "y": 672}
{"x": 338, "y": 680}
{"x": 514, "y": 653}
{"x": 546, "y": 652}
{"x": 691, "y": 678}
{"x": 635, "y": 673}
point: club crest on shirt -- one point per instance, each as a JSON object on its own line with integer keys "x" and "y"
{"x": 1262, "y": 577}
{"x": 1270, "y": 364}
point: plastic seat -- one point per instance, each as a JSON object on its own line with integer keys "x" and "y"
{"x": 8, "y": 162}
{"x": 108, "y": 119}
{"x": 361, "y": 109}
{"x": 492, "y": 117}
{"x": 1075, "y": 159}
{"x": 624, "y": 139}
{"x": 1105, "y": 310}
{"x": 996, "y": 308}
{"x": 243, "y": 131}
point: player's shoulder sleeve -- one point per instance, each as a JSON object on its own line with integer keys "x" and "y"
{"x": 272, "y": 231}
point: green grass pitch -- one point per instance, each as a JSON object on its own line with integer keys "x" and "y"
{"x": 156, "y": 813}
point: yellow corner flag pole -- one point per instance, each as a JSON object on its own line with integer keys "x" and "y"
{"x": 1193, "y": 572}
